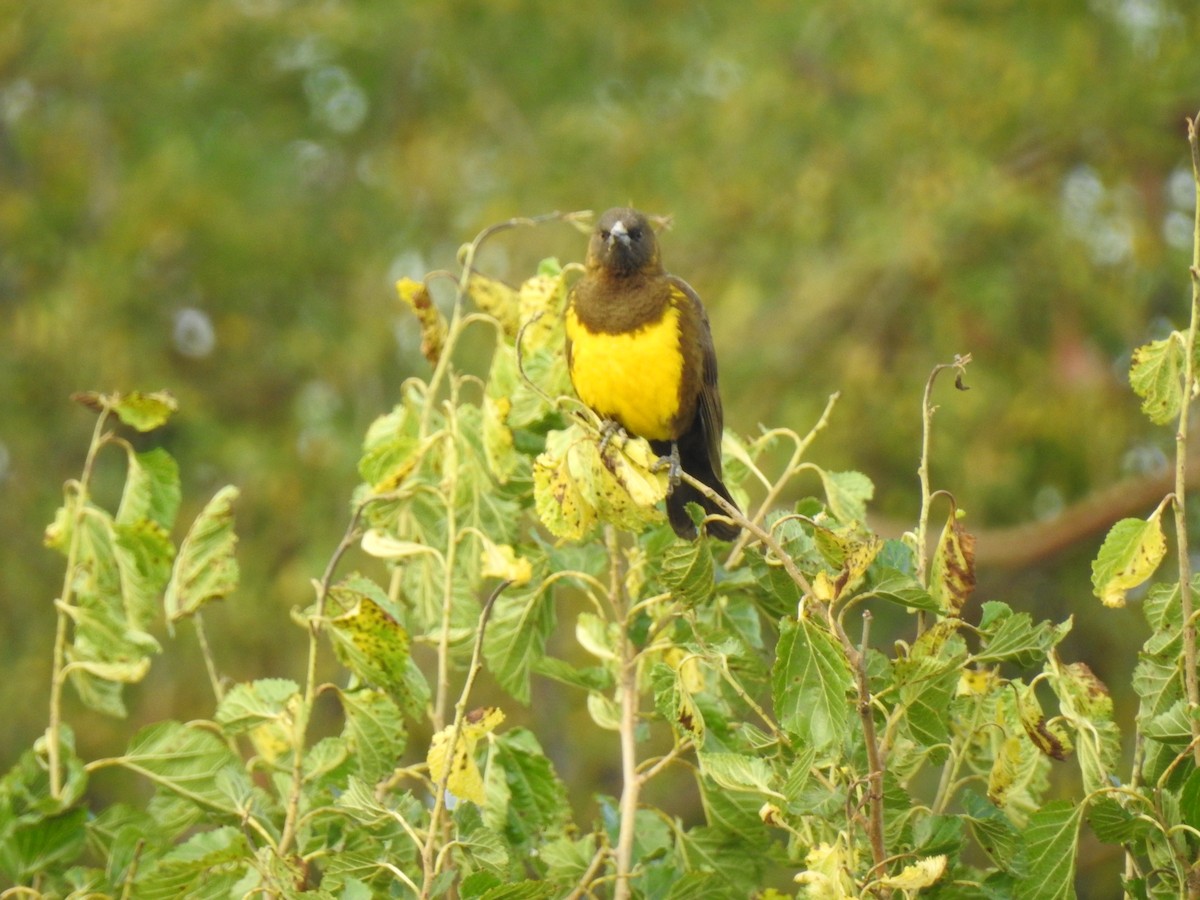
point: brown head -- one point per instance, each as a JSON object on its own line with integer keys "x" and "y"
{"x": 624, "y": 244}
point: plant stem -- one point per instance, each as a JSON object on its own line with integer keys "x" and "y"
{"x": 210, "y": 664}
{"x": 1191, "y": 678}
{"x": 300, "y": 732}
{"x": 443, "y": 657}
{"x": 866, "y": 714}
{"x": 65, "y": 602}
{"x": 460, "y": 714}
{"x": 927, "y": 411}
{"x": 627, "y": 698}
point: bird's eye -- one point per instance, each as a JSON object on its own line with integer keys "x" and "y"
{"x": 635, "y": 234}
{"x": 604, "y": 234}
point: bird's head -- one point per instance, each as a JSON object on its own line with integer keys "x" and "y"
{"x": 623, "y": 244}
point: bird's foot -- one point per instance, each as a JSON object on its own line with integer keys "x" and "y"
{"x": 671, "y": 464}
{"x": 609, "y": 429}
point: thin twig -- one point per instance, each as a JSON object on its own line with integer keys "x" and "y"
{"x": 867, "y": 715}
{"x": 627, "y": 697}
{"x": 927, "y": 411}
{"x": 739, "y": 546}
{"x": 1191, "y": 678}
{"x": 460, "y": 715}
{"x": 300, "y": 733}
{"x": 739, "y": 518}
{"x": 64, "y": 604}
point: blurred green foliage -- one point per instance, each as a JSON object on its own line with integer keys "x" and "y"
{"x": 216, "y": 197}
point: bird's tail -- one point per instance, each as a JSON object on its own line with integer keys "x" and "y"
{"x": 698, "y": 466}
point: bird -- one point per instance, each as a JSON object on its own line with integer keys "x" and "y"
{"x": 640, "y": 355}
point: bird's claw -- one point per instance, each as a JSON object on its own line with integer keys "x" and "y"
{"x": 671, "y": 464}
{"x": 609, "y": 429}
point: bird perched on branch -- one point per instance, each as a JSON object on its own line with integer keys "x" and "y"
{"x": 641, "y": 356}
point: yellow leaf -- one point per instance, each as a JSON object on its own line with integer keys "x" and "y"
{"x": 378, "y": 544}
{"x": 975, "y": 682}
{"x": 920, "y": 874}
{"x": 952, "y": 579}
{"x": 541, "y": 300}
{"x": 827, "y": 875}
{"x": 501, "y": 561}
{"x": 575, "y": 487}
{"x": 823, "y": 587}
{"x": 1049, "y": 739}
{"x": 465, "y": 780}
{"x": 1004, "y": 769}
{"x": 557, "y": 496}
{"x": 1130, "y": 554}
{"x": 496, "y": 299}
{"x": 433, "y": 323}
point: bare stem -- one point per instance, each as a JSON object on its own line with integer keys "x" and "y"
{"x": 443, "y": 658}
{"x": 66, "y": 599}
{"x": 1191, "y": 678}
{"x": 866, "y": 714}
{"x": 460, "y": 714}
{"x": 927, "y": 411}
{"x": 210, "y": 665}
{"x": 735, "y": 554}
{"x": 627, "y": 699}
{"x": 300, "y": 734}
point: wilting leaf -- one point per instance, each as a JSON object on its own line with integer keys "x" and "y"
{"x": 952, "y": 577}
{"x": 464, "y": 779}
{"x": 205, "y": 568}
{"x": 432, "y": 322}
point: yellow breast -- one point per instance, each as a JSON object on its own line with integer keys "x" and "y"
{"x": 631, "y": 377}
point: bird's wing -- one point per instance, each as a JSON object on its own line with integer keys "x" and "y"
{"x": 708, "y": 404}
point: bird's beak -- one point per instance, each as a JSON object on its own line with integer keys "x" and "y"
{"x": 618, "y": 233}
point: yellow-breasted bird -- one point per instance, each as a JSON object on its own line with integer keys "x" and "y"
{"x": 641, "y": 355}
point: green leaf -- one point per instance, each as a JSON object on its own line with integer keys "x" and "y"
{"x": 1129, "y": 555}
{"x": 1172, "y": 726}
{"x": 143, "y": 411}
{"x": 847, "y": 494}
{"x": 207, "y": 865}
{"x": 537, "y": 799}
{"x": 143, "y": 552}
{"x": 374, "y": 731}
{"x": 687, "y": 571}
{"x": 567, "y": 858}
{"x": 811, "y": 680}
{"x": 1114, "y": 824}
{"x": 521, "y": 890}
{"x": 1014, "y": 638}
{"x": 995, "y": 833}
{"x": 32, "y": 848}
{"x": 1156, "y": 375}
{"x": 206, "y": 568}
{"x": 1051, "y": 838}
{"x": 105, "y": 653}
{"x": 1189, "y": 800}
{"x": 901, "y": 588}
{"x": 249, "y": 705}
{"x": 151, "y": 489}
{"x": 187, "y": 761}
{"x": 927, "y": 679}
{"x": 590, "y": 678}
{"x": 515, "y": 639}
{"x": 740, "y": 773}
